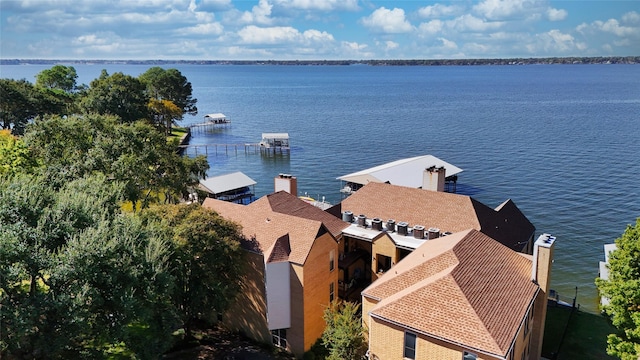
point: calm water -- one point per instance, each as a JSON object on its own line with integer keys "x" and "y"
{"x": 561, "y": 141}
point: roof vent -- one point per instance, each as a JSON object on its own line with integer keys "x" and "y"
{"x": 402, "y": 228}
{"x": 433, "y": 233}
{"x": 376, "y": 224}
{"x": 362, "y": 220}
{"x": 391, "y": 225}
{"x": 347, "y": 216}
{"x": 446, "y": 233}
{"x": 418, "y": 231}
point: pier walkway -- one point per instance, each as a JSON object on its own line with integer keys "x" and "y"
{"x": 247, "y": 148}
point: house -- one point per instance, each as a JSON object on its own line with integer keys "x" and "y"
{"x": 463, "y": 296}
{"x": 424, "y": 172}
{"x": 291, "y": 269}
{"x": 234, "y": 187}
{"x": 392, "y": 221}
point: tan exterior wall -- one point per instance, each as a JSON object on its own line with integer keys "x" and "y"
{"x": 317, "y": 279}
{"x": 387, "y": 343}
{"x": 545, "y": 260}
{"x": 382, "y": 246}
{"x": 248, "y": 313}
{"x": 367, "y": 305}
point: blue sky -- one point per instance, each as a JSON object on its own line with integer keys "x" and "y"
{"x": 316, "y": 29}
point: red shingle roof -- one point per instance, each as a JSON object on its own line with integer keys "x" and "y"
{"x": 473, "y": 291}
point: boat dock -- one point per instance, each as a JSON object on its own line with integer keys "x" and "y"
{"x": 211, "y": 121}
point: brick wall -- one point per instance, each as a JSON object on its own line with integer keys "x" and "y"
{"x": 317, "y": 278}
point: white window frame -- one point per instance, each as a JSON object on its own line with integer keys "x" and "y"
{"x": 278, "y": 337}
{"x": 332, "y": 288}
{"x": 332, "y": 260}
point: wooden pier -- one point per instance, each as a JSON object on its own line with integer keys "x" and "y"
{"x": 206, "y": 149}
{"x": 247, "y": 148}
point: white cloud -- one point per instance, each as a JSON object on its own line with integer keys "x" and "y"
{"x": 255, "y": 35}
{"x": 383, "y": 20}
{"x": 613, "y": 26}
{"x": 556, "y": 14}
{"x": 268, "y": 35}
{"x": 631, "y": 18}
{"x": 439, "y": 10}
{"x": 323, "y": 5}
{"x": 431, "y": 27}
{"x": 509, "y": 9}
{"x": 448, "y": 44}
{"x": 317, "y": 36}
{"x": 554, "y": 42}
{"x": 259, "y": 14}
{"x": 468, "y": 22}
{"x": 213, "y": 28}
{"x": 210, "y": 5}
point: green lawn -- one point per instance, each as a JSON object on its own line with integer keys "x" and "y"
{"x": 585, "y": 338}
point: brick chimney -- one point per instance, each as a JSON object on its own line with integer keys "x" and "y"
{"x": 541, "y": 275}
{"x": 287, "y": 183}
{"x": 433, "y": 178}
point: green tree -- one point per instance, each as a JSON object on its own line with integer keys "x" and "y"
{"x": 17, "y": 104}
{"x": 623, "y": 291}
{"x": 15, "y": 157}
{"x": 21, "y": 102}
{"x": 344, "y": 333}
{"x": 58, "y": 77}
{"x": 58, "y": 85}
{"x": 164, "y": 114}
{"x": 205, "y": 262}
{"x": 170, "y": 85}
{"x": 118, "y": 94}
{"x": 135, "y": 154}
{"x": 77, "y": 276}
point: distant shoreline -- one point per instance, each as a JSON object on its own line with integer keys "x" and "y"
{"x": 434, "y": 62}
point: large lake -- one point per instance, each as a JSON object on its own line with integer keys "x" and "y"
{"x": 562, "y": 141}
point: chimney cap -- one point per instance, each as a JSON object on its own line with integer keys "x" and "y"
{"x": 545, "y": 240}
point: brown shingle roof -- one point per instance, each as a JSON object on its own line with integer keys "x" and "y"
{"x": 264, "y": 227}
{"x": 285, "y": 203}
{"x": 473, "y": 291}
{"x": 446, "y": 211}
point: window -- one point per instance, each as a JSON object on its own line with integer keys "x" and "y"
{"x": 469, "y": 356}
{"x": 332, "y": 260}
{"x": 279, "y": 338}
{"x": 331, "y": 292}
{"x": 409, "y": 345}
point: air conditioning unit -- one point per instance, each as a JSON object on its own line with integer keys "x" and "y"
{"x": 403, "y": 228}
{"x": 391, "y": 225}
{"x": 362, "y": 220}
{"x": 418, "y": 231}
{"x": 376, "y": 224}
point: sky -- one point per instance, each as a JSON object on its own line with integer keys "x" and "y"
{"x": 316, "y": 29}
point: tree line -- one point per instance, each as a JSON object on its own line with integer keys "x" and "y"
{"x": 97, "y": 259}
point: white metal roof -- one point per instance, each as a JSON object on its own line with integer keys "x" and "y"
{"x": 275, "y": 135}
{"x": 223, "y": 183}
{"x": 216, "y": 116}
{"x": 405, "y": 172}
